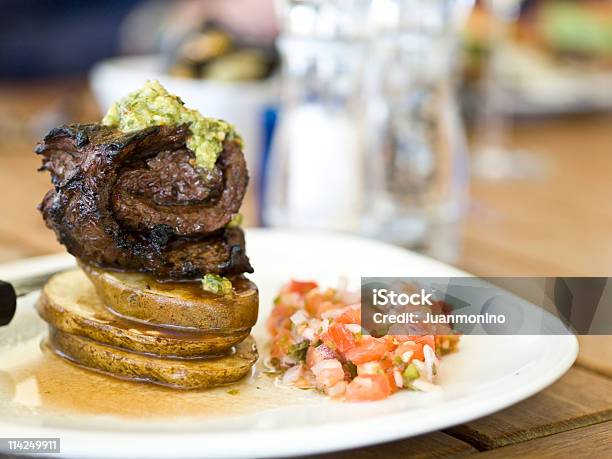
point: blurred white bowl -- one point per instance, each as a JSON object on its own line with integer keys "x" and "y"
{"x": 243, "y": 104}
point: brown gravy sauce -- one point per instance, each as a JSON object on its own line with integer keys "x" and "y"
{"x": 34, "y": 377}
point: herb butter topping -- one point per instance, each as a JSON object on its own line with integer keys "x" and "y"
{"x": 153, "y": 105}
{"x": 216, "y": 284}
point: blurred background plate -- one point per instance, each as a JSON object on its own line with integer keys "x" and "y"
{"x": 550, "y": 56}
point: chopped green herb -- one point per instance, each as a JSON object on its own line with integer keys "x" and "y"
{"x": 216, "y": 284}
{"x": 236, "y": 221}
{"x": 153, "y": 105}
{"x": 410, "y": 373}
{"x": 298, "y": 351}
{"x": 352, "y": 368}
{"x": 233, "y": 392}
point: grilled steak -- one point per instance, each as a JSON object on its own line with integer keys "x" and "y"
{"x": 134, "y": 201}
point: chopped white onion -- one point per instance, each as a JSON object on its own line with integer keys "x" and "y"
{"x": 287, "y": 361}
{"x": 315, "y": 324}
{"x": 327, "y": 364}
{"x": 308, "y": 333}
{"x": 292, "y": 374}
{"x": 332, "y": 313}
{"x": 369, "y": 368}
{"x": 419, "y": 366}
{"x": 299, "y": 317}
{"x": 337, "y": 389}
{"x": 430, "y": 361}
{"x": 291, "y": 299}
{"x": 399, "y": 381}
{"x": 353, "y": 328}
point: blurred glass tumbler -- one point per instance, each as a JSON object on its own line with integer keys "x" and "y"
{"x": 369, "y": 140}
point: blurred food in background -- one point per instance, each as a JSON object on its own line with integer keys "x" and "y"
{"x": 568, "y": 33}
{"x": 572, "y": 33}
{"x": 558, "y": 57}
{"x": 217, "y": 54}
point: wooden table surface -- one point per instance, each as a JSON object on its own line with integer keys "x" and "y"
{"x": 558, "y": 224}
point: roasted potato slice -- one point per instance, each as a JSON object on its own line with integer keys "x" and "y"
{"x": 178, "y": 373}
{"x": 70, "y": 303}
{"x": 182, "y": 304}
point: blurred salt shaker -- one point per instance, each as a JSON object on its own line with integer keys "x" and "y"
{"x": 315, "y": 172}
{"x": 325, "y": 167}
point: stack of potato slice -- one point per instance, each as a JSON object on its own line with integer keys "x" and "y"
{"x": 130, "y": 326}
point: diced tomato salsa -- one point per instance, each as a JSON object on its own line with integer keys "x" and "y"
{"x": 317, "y": 341}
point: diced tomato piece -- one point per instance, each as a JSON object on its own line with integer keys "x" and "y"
{"x": 302, "y": 287}
{"x": 391, "y": 379}
{"x": 324, "y": 306}
{"x": 279, "y": 319}
{"x": 316, "y": 354}
{"x": 386, "y": 362}
{"x": 368, "y": 388}
{"x": 408, "y": 349}
{"x": 430, "y": 340}
{"x": 328, "y": 373}
{"x": 337, "y": 389}
{"x": 403, "y": 338}
{"x": 311, "y": 304}
{"x": 329, "y": 377}
{"x": 418, "y": 352}
{"x": 369, "y": 368}
{"x": 415, "y": 345}
{"x": 390, "y": 344}
{"x": 350, "y": 316}
{"x": 281, "y": 344}
{"x": 366, "y": 350}
{"x": 314, "y": 299}
{"x": 339, "y": 338}
{"x": 420, "y": 342}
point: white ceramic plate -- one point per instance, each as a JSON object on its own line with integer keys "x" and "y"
{"x": 488, "y": 374}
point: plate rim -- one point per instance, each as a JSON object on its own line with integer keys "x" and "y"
{"x": 266, "y": 442}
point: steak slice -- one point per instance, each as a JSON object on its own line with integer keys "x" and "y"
{"x": 134, "y": 201}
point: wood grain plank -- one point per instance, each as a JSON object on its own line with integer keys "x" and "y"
{"x": 580, "y": 398}
{"x": 593, "y": 442}
{"x": 430, "y": 446}
{"x": 557, "y": 224}
{"x": 596, "y": 354}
